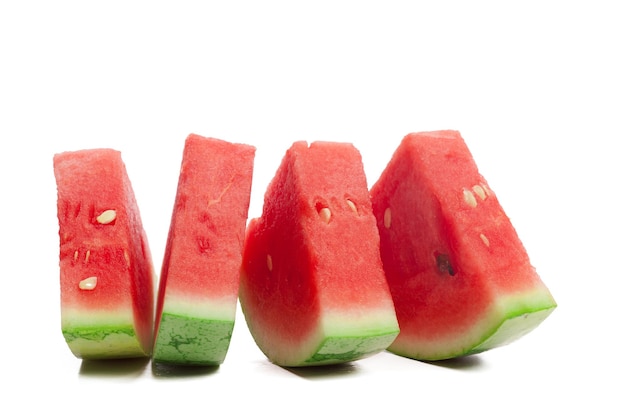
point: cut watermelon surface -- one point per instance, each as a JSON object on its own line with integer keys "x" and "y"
{"x": 199, "y": 282}
{"x": 313, "y": 290}
{"x": 460, "y": 278}
{"x": 106, "y": 273}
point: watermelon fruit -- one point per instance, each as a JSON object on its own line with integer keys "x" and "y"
{"x": 312, "y": 289}
{"x": 199, "y": 284}
{"x": 106, "y": 273}
{"x": 460, "y": 278}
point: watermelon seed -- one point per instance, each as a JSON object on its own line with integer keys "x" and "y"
{"x": 484, "y": 187}
{"x": 323, "y": 211}
{"x": 75, "y": 255}
{"x": 480, "y": 191}
{"x": 387, "y": 218}
{"x": 106, "y": 217}
{"x": 270, "y": 265}
{"x": 351, "y": 205}
{"x": 443, "y": 264}
{"x": 88, "y": 283}
{"x": 484, "y": 239}
{"x": 325, "y": 214}
{"x": 469, "y": 198}
{"x": 87, "y": 254}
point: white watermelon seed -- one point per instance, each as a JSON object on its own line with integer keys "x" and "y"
{"x": 106, "y": 217}
{"x": 351, "y": 204}
{"x": 87, "y": 254}
{"x": 270, "y": 264}
{"x": 387, "y": 218}
{"x": 75, "y": 255}
{"x": 325, "y": 214}
{"x": 480, "y": 191}
{"x": 88, "y": 283}
{"x": 469, "y": 198}
{"x": 487, "y": 192}
{"x": 484, "y": 239}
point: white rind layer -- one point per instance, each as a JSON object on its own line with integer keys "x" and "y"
{"x": 359, "y": 323}
{"x": 222, "y": 308}
{"x": 78, "y": 317}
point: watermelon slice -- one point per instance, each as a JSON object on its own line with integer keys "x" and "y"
{"x": 313, "y": 290}
{"x": 460, "y": 278}
{"x": 106, "y": 272}
{"x": 197, "y": 297}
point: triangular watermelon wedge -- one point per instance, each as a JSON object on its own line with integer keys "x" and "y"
{"x": 106, "y": 272}
{"x": 312, "y": 289}
{"x": 460, "y": 278}
{"x": 199, "y": 281}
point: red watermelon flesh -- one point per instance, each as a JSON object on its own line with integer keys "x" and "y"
{"x": 459, "y": 275}
{"x": 312, "y": 289}
{"x": 106, "y": 273}
{"x": 199, "y": 284}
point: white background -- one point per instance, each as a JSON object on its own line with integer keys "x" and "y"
{"x": 536, "y": 88}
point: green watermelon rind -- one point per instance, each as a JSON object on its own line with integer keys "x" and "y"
{"x": 194, "y": 331}
{"x": 101, "y": 334}
{"x": 512, "y": 328}
{"x": 104, "y": 342}
{"x": 510, "y": 318}
{"x": 188, "y": 340}
{"x": 520, "y": 315}
{"x": 334, "y": 350}
{"x": 340, "y": 337}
